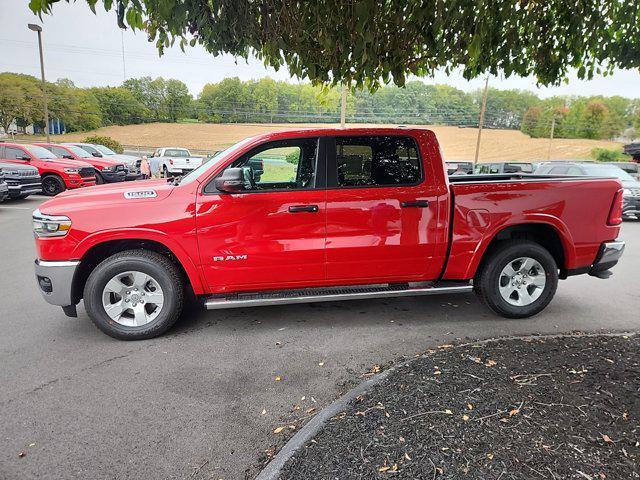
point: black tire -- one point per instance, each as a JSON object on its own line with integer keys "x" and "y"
{"x": 487, "y": 279}
{"x": 165, "y": 171}
{"x": 52, "y": 185}
{"x": 163, "y": 270}
{"x": 99, "y": 179}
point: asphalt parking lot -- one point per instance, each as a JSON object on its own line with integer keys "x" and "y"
{"x": 189, "y": 404}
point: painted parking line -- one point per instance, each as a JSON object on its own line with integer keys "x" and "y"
{"x": 11, "y": 207}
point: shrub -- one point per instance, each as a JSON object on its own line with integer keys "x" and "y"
{"x": 106, "y": 141}
{"x": 609, "y": 155}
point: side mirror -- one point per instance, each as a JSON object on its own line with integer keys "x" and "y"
{"x": 96, "y": 154}
{"x": 70, "y": 157}
{"x": 26, "y": 158}
{"x": 231, "y": 180}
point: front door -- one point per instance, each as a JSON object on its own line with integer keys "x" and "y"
{"x": 382, "y": 211}
{"x": 271, "y": 234}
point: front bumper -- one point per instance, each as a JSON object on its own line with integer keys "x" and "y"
{"x": 16, "y": 190}
{"x": 631, "y": 207}
{"x": 608, "y": 256}
{"x": 114, "y": 177}
{"x": 133, "y": 176}
{"x": 55, "y": 280}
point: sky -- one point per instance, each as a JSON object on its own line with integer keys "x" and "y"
{"x": 87, "y": 49}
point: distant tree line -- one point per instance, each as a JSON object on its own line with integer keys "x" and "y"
{"x": 142, "y": 100}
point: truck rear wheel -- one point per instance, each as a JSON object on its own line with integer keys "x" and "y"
{"x": 134, "y": 295}
{"x": 518, "y": 279}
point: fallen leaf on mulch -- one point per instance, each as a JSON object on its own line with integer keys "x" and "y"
{"x": 278, "y": 378}
{"x": 513, "y": 412}
{"x": 310, "y": 410}
{"x": 491, "y": 363}
{"x": 606, "y": 438}
{"x": 22, "y": 454}
{"x": 278, "y": 430}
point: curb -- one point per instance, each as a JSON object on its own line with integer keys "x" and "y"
{"x": 306, "y": 433}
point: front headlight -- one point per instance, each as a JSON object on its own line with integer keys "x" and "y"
{"x": 49, "y": 225}
{"x": 72, "y": 170}
{"x": 626, "y": 192}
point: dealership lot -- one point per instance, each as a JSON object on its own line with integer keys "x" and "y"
{"x": 82, "y": 405}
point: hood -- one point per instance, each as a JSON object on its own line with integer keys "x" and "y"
{"x": 124, "y": 158}
{"x": 630, "y": 184}
{"x": 17, "y": 167}
{"x": 112, "y": 194}
{"x": 64, "y": 162}
{"x": 101, "y": 162}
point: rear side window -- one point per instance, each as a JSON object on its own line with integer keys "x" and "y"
{"x": 377, "y": 161}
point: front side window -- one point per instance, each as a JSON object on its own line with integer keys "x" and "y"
{"x": 105, "y": 150}
{"x": 283, "y": 165}
{"x": 12, "y": 153}
{"x": 377, "y": 161}
{"x": 88, "y": 148}
{"x": 58, "y": 152}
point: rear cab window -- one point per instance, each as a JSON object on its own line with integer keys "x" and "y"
{"x": 375, "y": 161}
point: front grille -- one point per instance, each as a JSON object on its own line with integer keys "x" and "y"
{"x": 87, "y": 172}
{"x": 28, "y": 173}
{"x": 120, "y": 168}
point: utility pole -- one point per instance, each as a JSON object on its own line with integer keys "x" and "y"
{"x": 343, "y": 106}
{"x": 124, "y": 68}
{"x": 38, "y": 29}
{"x": 553, "y": 127}
{"x": 481, "y": 122}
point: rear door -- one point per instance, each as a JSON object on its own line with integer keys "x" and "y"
{"x": 272, "y": 234}
{"x": 382, "y": 211}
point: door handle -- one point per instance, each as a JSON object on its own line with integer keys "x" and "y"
{"x": 303, "y": 208}
{"x": 415, "y": 203}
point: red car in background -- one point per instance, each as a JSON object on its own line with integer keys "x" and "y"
{"x": 107, "y": 170}
{"x": 57, "y": 174}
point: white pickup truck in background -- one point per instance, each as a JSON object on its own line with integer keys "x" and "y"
{"x": 174, "y": 161}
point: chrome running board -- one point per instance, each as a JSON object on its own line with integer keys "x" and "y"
{"x": 332, "y": 294}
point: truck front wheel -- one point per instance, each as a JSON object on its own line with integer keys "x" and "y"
{"x": 52, "y": 185}
{"x": 134, "y": 295}
{"x": 518, "y": 279}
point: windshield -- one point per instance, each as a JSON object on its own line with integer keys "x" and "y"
{"x": 607, "y": 171}
{"x": 104, "y": 150}
{"x": 40, "y": 152}
{"x": 215, "y": 160}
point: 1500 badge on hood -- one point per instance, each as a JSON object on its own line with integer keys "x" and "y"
{"x": 141, "y": 194}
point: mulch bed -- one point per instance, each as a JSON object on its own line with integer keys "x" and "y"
{"x": 559, "y": 408}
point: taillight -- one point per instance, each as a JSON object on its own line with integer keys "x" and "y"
{"x": 615, "y": 214}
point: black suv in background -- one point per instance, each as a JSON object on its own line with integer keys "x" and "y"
{"x": 22, "y": 180}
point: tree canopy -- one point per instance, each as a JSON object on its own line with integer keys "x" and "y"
{"x": 366, "y": 42}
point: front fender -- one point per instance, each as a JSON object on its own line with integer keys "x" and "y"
{"x": 152, "y": 235}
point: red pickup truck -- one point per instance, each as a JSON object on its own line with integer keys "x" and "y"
{"x": 107, "y": 170}
{"x": 335, "y": 214}
{"x": 57, "y": 174}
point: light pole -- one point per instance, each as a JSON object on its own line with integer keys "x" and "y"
{"x": 38, "y": 29}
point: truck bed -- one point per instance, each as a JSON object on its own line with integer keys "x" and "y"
{"x": 576, "y": 207}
